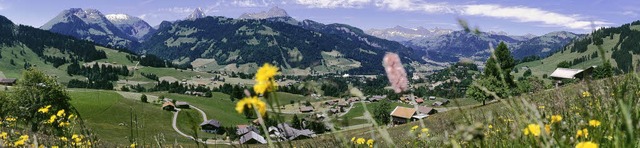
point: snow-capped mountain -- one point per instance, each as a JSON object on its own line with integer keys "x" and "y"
{"x": 196, "y": 14}
{"x": 401, "y": 34}
{"x": 89, "y": 24}
{"x": 132, "y": 26}
{"x": 274, "y": 12}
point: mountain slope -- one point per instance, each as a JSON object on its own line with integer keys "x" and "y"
{"x": 462, "y": 45}
{"x": 402, "y": 34}
{"x": 196, "y": 14}
{"x": 89, "y": 25}
{"x": 131, "y": 26}
{"x": 272, "y": 13}
{"x": 620, "y": 45}
{"x": 312, "y": 47}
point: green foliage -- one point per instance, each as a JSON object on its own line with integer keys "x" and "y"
{"x": 603, "y": 71}
{"x": 527, "y": 73}
{"x": 143, "y": 98}
{"x": 491, "y": 85}
{"x": 502, "y": 56}
{"x": 564, "y": 64}
{"x": 296, "y": 122}
{"x": 381, "y": 112}
{"x": 33, "y": 91}
{"x": 530, "y": 85}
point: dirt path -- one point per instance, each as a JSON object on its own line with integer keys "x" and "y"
{"x": 174, "y": 124}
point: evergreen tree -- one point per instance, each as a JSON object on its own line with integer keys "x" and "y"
{"x": 502, "y": 56}
{"x": 143, "y": 98}
{"x": 381, "y": 112}
{"x": 295, "y": 122}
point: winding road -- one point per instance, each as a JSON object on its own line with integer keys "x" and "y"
{"x": 174, "y": 124}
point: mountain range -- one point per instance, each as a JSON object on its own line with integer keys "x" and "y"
{"x": 307, "y": 45}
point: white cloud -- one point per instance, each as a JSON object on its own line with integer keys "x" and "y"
{"x": 251, "y": 3}
{"x": 333, "y": 3}
{"x": 527, "y": 14}
{"x": 179, "y": 10}
{"x": 413, "y": 5}
{"x": 630, "y": 13}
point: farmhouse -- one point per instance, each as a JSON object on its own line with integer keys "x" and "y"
{"x": 426, "y": 110}
{"x": 8, "y": 81}
{"x": 419, "y": 100}
{"x": 243, "y": 129}
{"x": 285, "y": 132}
{"x": 210, "y": 126}
{"x": 402, "y": 115}
{"x": 168, "y": 106}
{"x": 182, "y": 104}
{"x": 306, "y": 109}
{"x": 567, "y": 73}
{"x": 252, "y": 138}
{"x": 376, "y": 98}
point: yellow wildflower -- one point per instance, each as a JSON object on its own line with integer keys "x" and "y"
{"x": 610, "y": 137}
{"x": 424, "y": 130}
{"x": 3, "y": 135}
{"x": 44, "y": 109}
{"x": 252, "y": 102}
{"x": 55, "y": 146}
{"x": 556, "y": 118}
{"x": 414, "y": 128}
{"x": 594, "y": 123}
{"x": 353, "y": 139}
{"x": 360, "y": 141}
{"x": 264, "y": 78}
{"x": 64, "y": 139}
{"x": 370, "y": 142}
{"x": 587, "y": 144}
{"x": 52, "y": 119}
{"x": 76, "y": 138}
{"x": 586, "y": 94}
{"x": 547, "y": 128}
{"x": 582, "y": 133}
{"x": 63, "y": 124}
{"x": 60, "y": 113}
{"x": 21, "y": 141}
{"x": 10, "y": 119}
{"x": 490, "y": 126}
{"x": 71, "y": 117}
{"x": 533, "y": 129}
{"x": 133, "y": 145}
{"x": 541, "y": 107}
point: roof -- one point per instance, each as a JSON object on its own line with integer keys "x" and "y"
{"x": 180, "y": 103}
{"x": 243, "y": 129}
{"x": 7, "y": 80}
{"x": 306, "y": 108}
{"x": 419, "y": 100}
{"x": 565, "y": 73}
{"x": 167, "y": 104}
{"x": 403, "y": 112}
{"x": 343, "y": 103}
{"x": 252, "y": 135}
{"x": 424, "y": 109}
{"x": 215, "y": 123}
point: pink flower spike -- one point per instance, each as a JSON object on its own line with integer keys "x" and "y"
{"x": 395, "y": 72}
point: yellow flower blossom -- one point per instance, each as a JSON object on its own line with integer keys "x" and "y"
{"x": 60, "y": 113}
{"x": 582, "y": 133}
{"x": 63, "y": 124}
{"x": 490, "y": 126}
{"x": 10, "y": 119}
{"x": 360, "y": 141}
{"x": 587, "y": 144}
{"x": 547, "y": 128}
{"x": 264, "y": 78}
{"x": 414, "y": 128}
{"x": 21, "y": 141}
{"x": 52, "y": 119}
{"x": 594, "y": 123}
{"x": 44, "y": 109}
{"x": 55, "y": 146}
{"x": 370, "y": 142}
{"x": 76, "y": 138}
{"x": 586, "y": 94}
{"x": 133, "y": 145}
{"x": 556, "y": 118}
{"x": 252, "y": 102}
{"x": 3, "y": 135}
{"x": 424, "y": 130}
{"x": 610, "y": 137}
{"x": 64, "y": 139}
{"x": 353, "y": 139}
{"x": 533, "y": 129}
{"x": 71, "y": 117}
{"x": 541, "y": 107}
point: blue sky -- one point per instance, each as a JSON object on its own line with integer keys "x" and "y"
{"x": 513, "y": 16}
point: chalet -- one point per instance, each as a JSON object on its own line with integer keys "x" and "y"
{"x": 432, "y": 98}
{"x": 168, "y": 106}
{"x": 182, "y": 104}
{"x": 306, "y": 109}
{"x": 437, "y": 103}
{"x": 8, "y": 81}
{"x": 243, "y": 129}
{"x": 445, "y": 102}
{"x": 284, "y": 132}
{"x": 353, "y": 99}
{"x": 211, "y": 126}
{"x": 567, "y": 73}
{"x": 402, "y": 115}
{"x": 252, "y": 137}
{"x": 330, "y": 103}
{"x": 377, "y": 98}
{"x": 343, "y": 104}
{"x": 426, "y": 110}
{"x": 187, "y": 92}
{"x": 419, "y": 100}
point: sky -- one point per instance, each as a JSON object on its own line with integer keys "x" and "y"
{"x": 516, "y": 17}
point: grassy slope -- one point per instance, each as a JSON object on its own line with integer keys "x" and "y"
{"x": 219, "y": 107}
{"x": 549, "y": 64}
{"x": 15, "y": 71}
{"x": 103, "y": 111}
